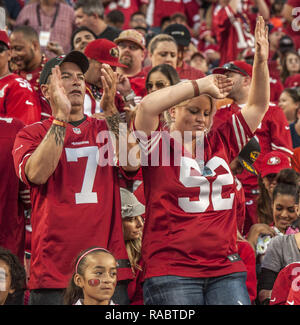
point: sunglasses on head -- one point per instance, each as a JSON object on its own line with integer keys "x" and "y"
{"x": 231, "y": 66}
{"x": 158, "y": 85}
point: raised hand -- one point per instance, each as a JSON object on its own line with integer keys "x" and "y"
{"x": 215, "y": 85}
{"x": 261, "y": 40}
{"x": 109, "y": 85}
{"x": 60, "y": 103}
{"x": 123, "y": 85}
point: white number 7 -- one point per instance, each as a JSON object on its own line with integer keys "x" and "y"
{"x": 86, "y": 195}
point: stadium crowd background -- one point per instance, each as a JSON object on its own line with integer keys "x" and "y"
{"x": 153, "y": 44}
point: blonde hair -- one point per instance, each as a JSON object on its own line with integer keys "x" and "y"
{"x": 133, "y": 248}
{"x": 169, "y": 121}
{"x": 160, "y": 38}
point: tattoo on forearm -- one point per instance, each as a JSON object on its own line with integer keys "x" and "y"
{"x": 114, "y": 122}
{"x": 59, "y": 133}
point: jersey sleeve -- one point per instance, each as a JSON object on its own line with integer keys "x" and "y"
{"x": 21, "y": 102}
{"x": 24, "y": 145}
{"x": 280, "y": 132}
{"x": 235, "y": 134}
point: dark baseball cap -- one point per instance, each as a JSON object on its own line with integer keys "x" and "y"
{"x": 74, "y": 56}
{"x": 249, "y": 154}
{"x": 180, "y": 33}
{"x": 240, "y": 67}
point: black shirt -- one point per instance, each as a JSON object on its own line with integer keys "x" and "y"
{"x": 295, "y": 136}
{"x": 109, "y": 33}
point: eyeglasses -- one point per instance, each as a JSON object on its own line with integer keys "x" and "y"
{"x": 158, "y": 85}
{"x": 131, "y": 46}
{"x": 231, "y": 66}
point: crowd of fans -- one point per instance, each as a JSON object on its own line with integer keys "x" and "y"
{"x": 73, "y": 231}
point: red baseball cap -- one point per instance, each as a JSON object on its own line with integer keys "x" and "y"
{"x": 104, "y": 51}
{"x": 240, "y": 67}
{"x": 273, "y": 162}
{"x": 4, "y": 38}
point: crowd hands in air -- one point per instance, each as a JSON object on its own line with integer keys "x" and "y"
{"x": 140, "y": 163}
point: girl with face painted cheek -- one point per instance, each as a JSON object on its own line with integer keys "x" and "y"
{"x": 94, "y": 280}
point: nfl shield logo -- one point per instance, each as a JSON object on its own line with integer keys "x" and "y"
{"x": 76, "y": 130}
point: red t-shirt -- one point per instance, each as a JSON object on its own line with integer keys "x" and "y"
{"x": 286, "y": 286}
{"x": 12, "y": 219}
{"x": 79, "y": 205}
{"x": 127, "y": 7}
{"x": 247, "y": 254}
{"x": 272, "y": 134}
{"x": 18, "y": 100}
{"x": 190, "y": 224}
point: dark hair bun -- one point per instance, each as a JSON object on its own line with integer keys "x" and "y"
{"x": 288, "y": 176}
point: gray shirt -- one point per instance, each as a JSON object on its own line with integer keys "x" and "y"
{"x": 281, "y": 251}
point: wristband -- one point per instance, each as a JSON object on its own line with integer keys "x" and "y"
{"x": 59, "y": 123}
{"x": 196, "y": 88}
{"x": 129, "y": 96}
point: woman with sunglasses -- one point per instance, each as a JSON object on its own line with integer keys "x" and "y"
{"x": 189, "y": 240}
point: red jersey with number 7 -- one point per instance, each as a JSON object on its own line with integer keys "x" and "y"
{"x": 79, "y": 205}
{"x": 190, "y": 223}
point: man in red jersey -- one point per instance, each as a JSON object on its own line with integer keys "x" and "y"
{"x": 131, "y": 45}
{"x": 233, "y": 24}
{"x": 15, "y": 199}
{"x": 74, "y": 185}
{"x": 17, "y": 98}
{"x": 98, "y": 52}
{"x": 272, "y": 134}
{"x": 12, "y": 219}
{"x": 28, "y": 61}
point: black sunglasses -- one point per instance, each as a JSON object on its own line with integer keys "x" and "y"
{"x": 231, "y": 66}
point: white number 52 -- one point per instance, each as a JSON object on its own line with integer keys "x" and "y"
{"x": 206, "y": 195}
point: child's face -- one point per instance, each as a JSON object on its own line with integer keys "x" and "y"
{"x": 5, "y": 282}
{"x": 99, "y": 280}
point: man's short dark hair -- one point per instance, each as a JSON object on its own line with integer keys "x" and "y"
{"x": 29, "y": 32}
{"x": 90, "y": 7}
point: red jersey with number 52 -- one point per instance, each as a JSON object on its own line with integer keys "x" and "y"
{"x": 77, "y": 208}
{"x": 18, "y": 100}
{"x": 190, "y": 223}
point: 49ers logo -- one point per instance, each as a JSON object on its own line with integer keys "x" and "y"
{"x": 274, "y": 161}
{"x": 114, "y": 52}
